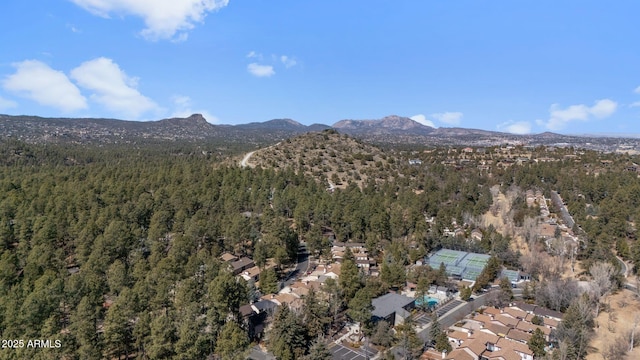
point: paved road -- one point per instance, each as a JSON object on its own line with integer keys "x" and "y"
{"x": 301, "y": 267}
{"x": 257, "y": 354}
{"x": 564, "y": 213}
{"x": 623, "y": 266}
{"x": 631, "y": 287}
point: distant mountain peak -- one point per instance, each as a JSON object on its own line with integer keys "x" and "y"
{"x": 394, "y": 118}
{"x": 193, "y": 119}
{"x": 289, "y": 122}
{"x": 197, "y": 117}
{"x": 391, "y": 123}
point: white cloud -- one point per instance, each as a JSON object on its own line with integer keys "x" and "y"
{"x": 73, "y": 28}
{"x": 422, "y": 120}
{"x": 181, "y": 101}
{"x": 112, "y": 87}
{"x": 183, "y": 109}
{"x": 559, "y": 118}
{"x": 517, "y": 127}
{"x": 35, "y": 80}
{"x": 7, "y": 104}
{"x": 287, "y": 61}
{"x": 635, "y": 104}
{"x": 603, "y": 108}
{"x": 260, "y": 70}
{"x": 265, "y": 66}
{"x": 637, "y": 90}
{"x": 163, "y": 18}
{"x": 451, "y": 118}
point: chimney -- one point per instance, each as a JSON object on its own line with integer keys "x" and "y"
{"x": 444, "y": 354}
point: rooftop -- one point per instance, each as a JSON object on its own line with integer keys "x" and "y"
{"x": 387, "y": 304}
{"x": 243, "y": 262}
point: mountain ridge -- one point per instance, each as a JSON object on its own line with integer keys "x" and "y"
{"x": 392, "y": 129}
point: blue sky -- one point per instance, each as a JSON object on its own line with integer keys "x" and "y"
{"x": 517, "y": 66}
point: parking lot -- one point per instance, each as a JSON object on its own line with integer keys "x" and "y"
{"x": 339, "y": 352}
{"x": 448, "y": 307}
{"x": 422, "y": 319}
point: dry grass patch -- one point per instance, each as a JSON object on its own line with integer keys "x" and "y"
{"x": 614, "y": 323}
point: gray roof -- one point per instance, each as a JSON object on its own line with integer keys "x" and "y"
{"x": 540, "y": 311}
{"x": 525, "y": 307}
{"x": 264, "y": 305}
{"x": 243, "y": 262}
{"x": 387, "y": 304}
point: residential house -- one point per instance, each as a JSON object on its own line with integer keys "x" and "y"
{"x": 359, "y": 251}
{"x": 255, "y": 317}
{"x": 338, "y": 249}
{"x": 289, "y": 299}
{"x": 547, "y": 313}
{"x": 476, "y": 234}
{"x": 457, "y": 337}
{"x": 518, "y": 335}
{"x": 482, "y": 346}
{"x": 251, "y": 274}
{"x": 302, "y": 288}
{"x": 530, "y": 328}
{"x": 241, "y": 265}
{"x": 473, "y": 347}
{"x": 515, "y": 313}
{"x": 228, "y": 257}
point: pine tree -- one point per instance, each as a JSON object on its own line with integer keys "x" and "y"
{"x": 382, "y": 335}
{"x": 576, "y": 326}
{"x": 232, "y": 342}
{"x": 334, "y": 293}
{"x": 349, "y": 276}
{"x": 465, "y": 293}
{"x": 84, "y": 327}
{"x": 268, "y": 281}
{"x": 315, "y": 315}
{"x": 227, "y": 294}
{"x": 442, "y": 343}
{"x": 318, "y": 351}
{"x": 408, "y": 340}
{"x": 162, "y": 338}
{"x": 435, "y": 328}
{"x": 118, "y": 325}
{"x": 287, "y": 339}
{"x": 537, "y": 343}
{"x": 360, "y": 309}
